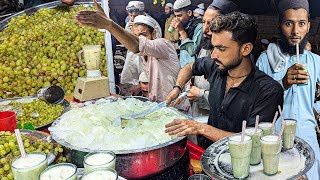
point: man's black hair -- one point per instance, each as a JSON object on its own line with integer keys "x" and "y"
{"x": 242, "y": 26}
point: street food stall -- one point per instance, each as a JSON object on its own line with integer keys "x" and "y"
{"x": 41, "y": 48}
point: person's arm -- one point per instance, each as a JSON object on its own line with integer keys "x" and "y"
{"x": 185, "y": 127}
{"x": 179, "y": 27}
{"x": 191, "y": 45}
{"x": 159, "y": 48}
{"x": 184, "y": 76}
{"x": 99, "y": 20}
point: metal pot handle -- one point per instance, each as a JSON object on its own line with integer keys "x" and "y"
{"x": 80, "y": 53}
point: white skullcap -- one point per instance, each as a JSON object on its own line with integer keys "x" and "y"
{"x": 135, "y": 5}
{"x": 143, "y": 77}
{"x": 145, "y": 20}
{"x": 264, "y": 41}
{"x": 199, "y": 11}
{"x": 178, "y": 4}
{"x": 169, "y": 5}
{"x": 201, "y": 6}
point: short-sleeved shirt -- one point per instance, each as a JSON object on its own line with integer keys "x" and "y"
{"x": 258, "y": 94}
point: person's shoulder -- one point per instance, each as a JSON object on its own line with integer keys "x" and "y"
{"x": 263, "y": 57}
{"x": 265, "y": 82}
{"x": 313, "y": 55}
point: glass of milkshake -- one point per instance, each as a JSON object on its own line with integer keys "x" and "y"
{"x": 99, "y": 160}
{"x": 289, "y": 133}
{"x": 101, "y": 174}
{"x": 240, "y": 155}
{"x": 255, "y": 157}
{"x": 270, "y": 149}
{"x": 63, "y": 171}
{"x": 29, "y": 167}
{"x": 267, "y": 128}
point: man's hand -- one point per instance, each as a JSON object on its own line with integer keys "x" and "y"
{"x": 296, "y": 74}
{"x": 194, "y": 94}
{"x": 96, "y": 19}
{"x": 172, "y": 95}
{"x": 183, "y": 127}
{"x": 177, "y": 24}
{"x": 68, "y": 2}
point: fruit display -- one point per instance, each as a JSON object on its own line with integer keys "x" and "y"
{"x": 36, "y": 113}
{"x": 9, "y": 150}
{"x": 40, "y": 50}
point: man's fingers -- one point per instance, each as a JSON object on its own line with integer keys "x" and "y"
{"x": 99, "y": 8}
{"x": 173, "y": 123}
{"x": 177, "y": 130}
{"x": 86, "y": 13}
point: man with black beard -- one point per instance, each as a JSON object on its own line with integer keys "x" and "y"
{"x": 199, "y": 91}
{"x": 238, "y": 91}
{"x": 299, "y": 83}
{"x": 171, "y": 36}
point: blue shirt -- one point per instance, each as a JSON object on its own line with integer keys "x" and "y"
{"x": 299, "y": 102}
{"x": 189, "y": 46}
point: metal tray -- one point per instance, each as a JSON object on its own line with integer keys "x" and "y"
{"x": 65, "y": 104}
{"x": 216, "y": 162}
{"x": 41, "y": 136}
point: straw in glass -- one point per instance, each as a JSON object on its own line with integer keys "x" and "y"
{"x": 274, "y": 118}
{"x": 297, "y": 51}
{"x": 244, "y": 123}
{"x": 281, "y": 131}
{"x": 280, "y": 112}
{"x": 257, "y": 122}
{"x": 20, "y": 143}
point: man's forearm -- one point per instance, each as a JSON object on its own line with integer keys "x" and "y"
{"x": 184, "y": 75}
{"x": 130, "y": 41}
{"x": 212, "y": 133}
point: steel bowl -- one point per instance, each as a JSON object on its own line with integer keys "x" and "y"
{"x": 136, "y": 163}
{"x": 65, "y": 104}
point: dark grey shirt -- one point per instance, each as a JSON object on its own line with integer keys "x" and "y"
{"x": 258, "y": 94}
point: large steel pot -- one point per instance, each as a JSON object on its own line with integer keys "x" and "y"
{"x": 137, "y": 163}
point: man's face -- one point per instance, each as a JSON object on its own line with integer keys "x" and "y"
{"x": 142, "y": 30}
{"x": 295, "y": 25}
{"x": 144, "y": 86}
{"x": 207, "y": 18}
{"x": 226, "y": 52}
{"x": 167, "y": 10}
{"x": 183, "y": 16}
{"x": 132, "y": 15}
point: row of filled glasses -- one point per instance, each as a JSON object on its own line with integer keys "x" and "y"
{"x": 97, "y": 165}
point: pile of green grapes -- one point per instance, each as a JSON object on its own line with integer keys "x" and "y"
{"x": 37, "y": 112}
{"x": 9, "y": 150}
{"x": 41, "y": 50}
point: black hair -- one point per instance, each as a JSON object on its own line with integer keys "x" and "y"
{"x": 242, "y": 26}
{"x": 151, "y": 29}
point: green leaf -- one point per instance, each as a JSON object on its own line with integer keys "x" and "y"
{"x": 19, "y": 125}
{"x": 28, "y": 126}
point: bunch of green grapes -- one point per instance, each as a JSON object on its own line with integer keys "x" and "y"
{"x": 37, "y": 112}
{"x": 9, "y": 150}
{"x": 41, "y": 50}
